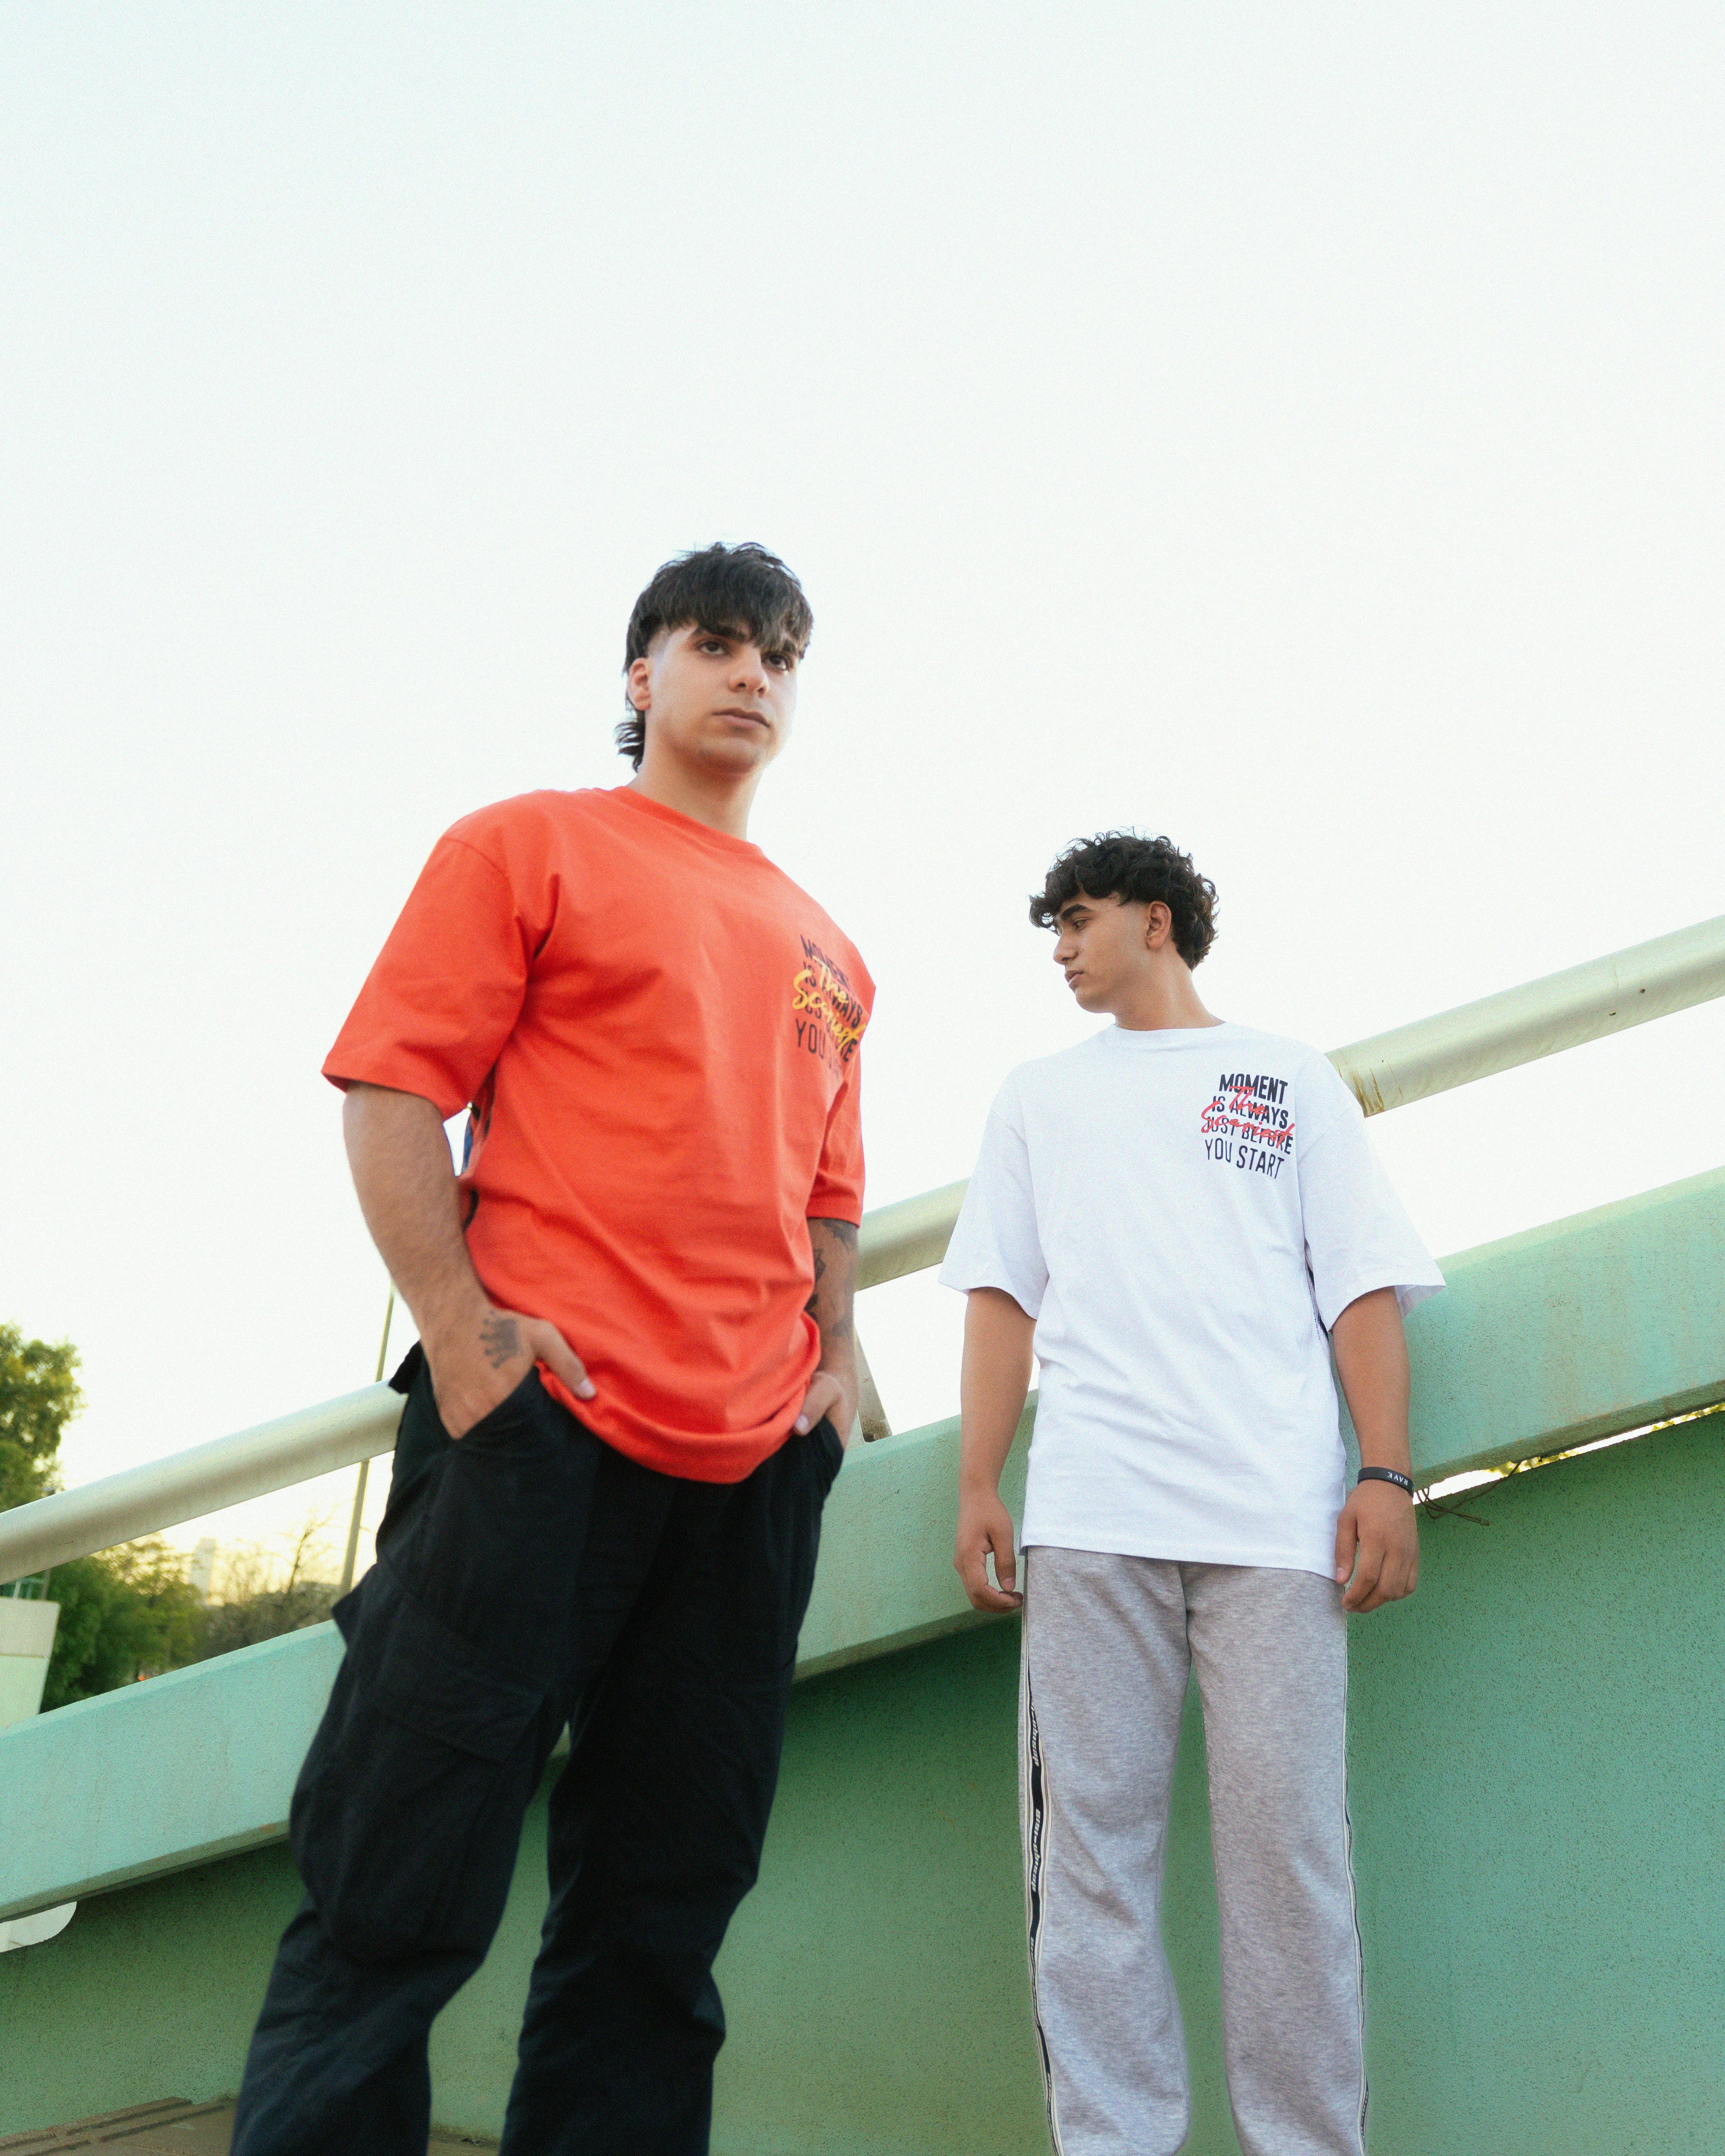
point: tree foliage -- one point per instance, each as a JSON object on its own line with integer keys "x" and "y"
{"x": 38, "y": 1397}
{"x": 132, "y": 1612}
{"x": 124, "y": 1613}
{"x": 127, "y": 1613}
{"x": 253, "y": 1601}
{"x": 241, "y": 1621}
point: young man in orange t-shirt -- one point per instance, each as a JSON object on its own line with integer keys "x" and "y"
{"x": 636, "y": 1380}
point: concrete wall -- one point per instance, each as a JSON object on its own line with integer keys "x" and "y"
{"x": 1536, "y": 1790}
{"x": 1593, "y": 1324}
{"x": 156, "y": 1986}
{"x": 1539, "y": 1795}
{"x": 27, "y": 1631}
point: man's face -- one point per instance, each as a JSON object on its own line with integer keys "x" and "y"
{"x": 1103, "y": 947}
{"x": 714, "y": 699}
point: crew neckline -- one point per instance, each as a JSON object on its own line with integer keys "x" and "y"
{"x": 692, "y": 825}
{"x": 1138, "y": 1040}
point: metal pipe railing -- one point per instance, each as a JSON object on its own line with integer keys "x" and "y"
{"x": 1520, "y": 1025}
{"x": 1498, "y": 1032}
{"x": 1432, "y": 1055}
{"x": 908, "y": 1237}
{"x": 141, "y": 1501}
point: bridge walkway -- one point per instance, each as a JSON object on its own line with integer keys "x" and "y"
{"x": 171, "y": 2127}
{"x": 1537, "y": 1763}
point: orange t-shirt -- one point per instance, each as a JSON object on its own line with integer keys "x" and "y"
{"x": 656, "y": 1034}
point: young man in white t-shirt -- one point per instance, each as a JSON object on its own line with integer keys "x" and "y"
{"x": 1182, "y": 1220}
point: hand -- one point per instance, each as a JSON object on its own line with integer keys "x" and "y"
{"x": 1376, "y": 1547}
{"x": 827, "y": 1396}
{"x": 985, "y": 1525}
{"x": 477, "y": 1362}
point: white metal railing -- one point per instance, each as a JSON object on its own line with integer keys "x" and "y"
{"x": 185, "y": 1485}
{"x": 1586, "y": 1003}
{"x": 1432, "y": 1055}
{"x": 1520, "y": 1025}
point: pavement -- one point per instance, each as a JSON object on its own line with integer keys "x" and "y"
{"x": 171, "y": 2127}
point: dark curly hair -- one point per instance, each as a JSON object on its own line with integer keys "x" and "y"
{"x": 728, "y": 591}
{"x": 1122, "y": 865}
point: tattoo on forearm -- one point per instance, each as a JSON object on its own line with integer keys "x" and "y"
{"x": 501, "y": 1339}
{"x": 834, "y": 1247}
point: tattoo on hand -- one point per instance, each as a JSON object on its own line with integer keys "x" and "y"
{"x": 501, "y": 1339}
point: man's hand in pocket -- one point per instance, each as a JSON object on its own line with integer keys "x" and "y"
{"x": 479, "y": 1359}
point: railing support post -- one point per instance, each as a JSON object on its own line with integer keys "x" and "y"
{"x": 365, "y": 1465}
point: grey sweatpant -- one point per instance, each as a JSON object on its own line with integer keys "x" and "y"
{"x": 1108, "y": 1644}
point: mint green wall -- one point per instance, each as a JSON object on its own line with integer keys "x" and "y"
{"x": 1539, "y": 1795}
{"x": 1603, "y": 1321}
{"x": 1593, "y": 1324}
{"x": 152, "y": 1990}
{"x": 1539, "y": 1800}
{"x": 1540, "y": 1806}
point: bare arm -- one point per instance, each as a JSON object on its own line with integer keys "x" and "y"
{"x": 833, "y": 1388}
{"x": 1377, "y": 1536}
{"x": 992, "y": 1386}
{"x": 478, "y": 1354}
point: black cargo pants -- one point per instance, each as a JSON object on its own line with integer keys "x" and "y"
{"x": 530, "y": 1576}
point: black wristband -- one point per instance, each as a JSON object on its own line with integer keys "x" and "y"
{"x": 1385, "y": 1474}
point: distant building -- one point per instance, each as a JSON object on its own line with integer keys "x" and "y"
{"x": 203, "y": 1565}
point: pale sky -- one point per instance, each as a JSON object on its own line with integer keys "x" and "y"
{"x": 1297, "y": 430}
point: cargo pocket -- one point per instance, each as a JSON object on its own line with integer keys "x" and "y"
{"x": 408, "y": 1811}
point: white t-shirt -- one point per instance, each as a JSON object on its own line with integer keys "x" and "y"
{"x": 1184, "y": 1214}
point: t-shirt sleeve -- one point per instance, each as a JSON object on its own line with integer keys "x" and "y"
{"x": 447, "y": 987}
{"x": 1359, "y": 1238}
{"x": 995, "y": 1242}
{"x": 838, "y": 1190}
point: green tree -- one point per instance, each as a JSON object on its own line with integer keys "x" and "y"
{"x": 131, "y": 1612}
{"x": 38, "y": 1397}
{"x": 127, "y": 1613}
{"x": 124, "y": 1613}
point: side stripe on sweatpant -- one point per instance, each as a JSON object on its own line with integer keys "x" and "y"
{"x": 1034, "y": 1814}
{"x": 1359, "y": 1943}
{"x": 1110, "y": 1646}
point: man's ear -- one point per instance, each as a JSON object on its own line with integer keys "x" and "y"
{"x": 1158, "y": 923}
{"x": 637, "y": 682}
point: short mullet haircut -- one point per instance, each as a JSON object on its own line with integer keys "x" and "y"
{"x": 1121, "y": 865}
{"x": 727, "y": 591}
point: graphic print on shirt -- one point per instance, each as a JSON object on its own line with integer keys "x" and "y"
{"x": 1249, "y": 1125}
{"x": 827, "y": 1016}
